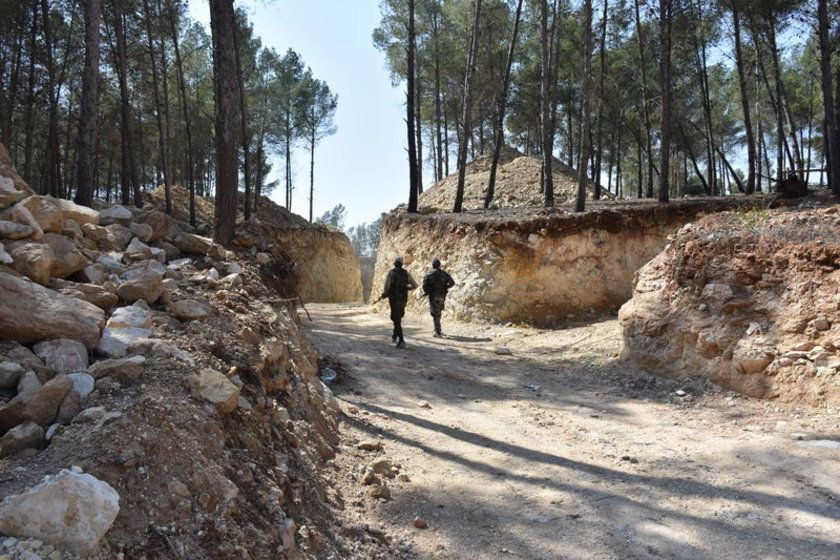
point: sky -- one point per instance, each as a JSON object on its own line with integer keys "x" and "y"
{"x": 364, "y": 165}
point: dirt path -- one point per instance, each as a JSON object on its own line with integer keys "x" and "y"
{"x": 563, "y": 450}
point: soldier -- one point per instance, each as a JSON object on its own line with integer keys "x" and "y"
{"x": 397, "y": 285}
{"x": 436, "y": 284}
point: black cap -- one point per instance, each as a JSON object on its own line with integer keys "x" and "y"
{"x": 435, "y": 263}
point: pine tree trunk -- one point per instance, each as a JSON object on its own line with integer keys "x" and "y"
{"x": 164, "y": 161}
{"x": 832, "y": 133}
{"x": 128, "y": 174}
{"x": 745, "y": 102}
{"x": 182, "y": 89}
{"x": 418, "y": 130}
{"x": 243, "y": 118}
{"x": 438, "y": 115}
{"x": 665, "y": 75}
{"x": 499, "y": 139}
{"x": 645, "y": 101}
{"x": 86, "y": 142}
{"x": 223, "y": 26}
{"x": 466, "y": 117}
{"x": 30, "y": 100}
{"x": 311, "y": 174}
{"x": 599, "y": 111}
{"x": 585, "y": 136}
{"x": 546, "y": 173}
{"x": 410, "y": 121}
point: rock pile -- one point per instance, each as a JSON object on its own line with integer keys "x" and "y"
{"x": 749, "y": 300}
{"x": 164, "y": 367}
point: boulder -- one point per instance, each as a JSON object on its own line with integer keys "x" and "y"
{"x": 12, "y": 187}
{"x": 14, "y": 230}
{"x": 21, "y": 215}
{"x": 94, "y": 274}
{"x": 138, "y": 251}
{"x": 215, "y": 388}
{"x": 28, "y": 434}
{"x": 189, "y": 309}
{"x": 10, "y": 374}
{"x": 70, "y": 510}
{"x": 62, "y": 355}
{"x": 40, "y": 406}
{"x": 130, "y": 316}
{"x": 115, "y": 343}
{"x": 83, "y": 385}
{"x": 124, "y": 370}
{"x": 196, "y": 244}
{"x": 169, "y": 249}
{"x": 72, "y": 230}
{"x": 158, "y": 221}
{"x": 142, "y": 284}
{"x": 101, "y": 237}
{"x": 97, "y": 295}
{"x": 14, "y": 352}
{"x": 143, "y": 231}
{"x": 116, "y": 214}
{"x": 33, "y": 260}
{"x": 31, "y": 313}
{"x": 67, "y": 259}
{"x": 5, "y": 258}
{"x": 50, "y": 212}
{"x": 121, "y": 235}
{"x": 234, "y": 280}
{"x": 28, "y": 383}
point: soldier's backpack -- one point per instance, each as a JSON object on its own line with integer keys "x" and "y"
{"x": 399, "y": 284}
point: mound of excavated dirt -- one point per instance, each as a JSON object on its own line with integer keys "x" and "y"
{"x": 517, "y": 183}
{"x": 326, "y": 267}
{"x": 537, "y": 266}
{"x": 749, "y": 300}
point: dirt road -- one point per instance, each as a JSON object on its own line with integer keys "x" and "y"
{"x": 560, "y": 449}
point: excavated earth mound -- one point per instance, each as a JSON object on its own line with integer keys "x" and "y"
{"x": 533, "y": 265}
{"x": 748, "y": 300}
{"x": 323, "y": 259}
{"x": 517, "y": 183}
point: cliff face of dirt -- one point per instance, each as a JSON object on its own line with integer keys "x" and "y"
{"x": 750, "y": 301}
{"x": 517, "y": 183}
{"x": 535, "y": 266}
{"x": 326, "y": 267}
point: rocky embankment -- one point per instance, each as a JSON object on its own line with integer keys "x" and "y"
{"x": 536, "y": 266}
{"x": 747, "y": 300}
{"x": 157, "y": 399}
{"x": 321, "y": 257}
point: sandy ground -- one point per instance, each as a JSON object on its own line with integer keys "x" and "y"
{"x": 562, "y": 450}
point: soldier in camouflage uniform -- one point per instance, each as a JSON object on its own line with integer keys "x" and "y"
{"x": 397, "y": 285}
{"x": 436, "y": 285}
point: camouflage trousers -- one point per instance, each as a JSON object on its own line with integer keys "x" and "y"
{"x": 436, "y": 305}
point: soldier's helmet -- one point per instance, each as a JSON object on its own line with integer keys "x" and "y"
{"x": 436, "y": 263}
{"x": 398, "y": 262}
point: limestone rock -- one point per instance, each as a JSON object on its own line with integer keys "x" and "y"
{"x": 70, "y": 510}
{"x": 130, "y": 316}
{"x": 51, "y": 212}
{"x": 144, "y": 232}
{"x": 14, "y": 230}
{"x": 31, "y": 313}
{"x": 97, "y": 295}
{"x": 383, "y": 467}
{"x": 40, "y": 406}
{"x": 233, "y": 279}
{"x": 116, "y": 214}
{"x": 124, "y": 370}
{"x": 21, "y": 215}
{"x": 14, "y": 352}
{"x": 137, "y": 250}
{"x": 215, "y": 388}
{"x": 170, "y": 250}
{"x": 28, "y": 434}
{"x": 121, "y": 235}
{"x": 29, "y": 383}
{"x": 158, "y": 221}
{"x": 33, "y": 260}
{"x": 189, "y": 309}
{"x": 63, "y": 355}
{"x": 115, "y": 343}
{"x": 67, "y": 259}
{"x": 83, "y": 385}
{"x": 142, "y": 284}
{"x": 5, "y": 258}
{"x": 191, "y": 243}
{"x": 12, "y": 187}
{"x": 10, "y": 374}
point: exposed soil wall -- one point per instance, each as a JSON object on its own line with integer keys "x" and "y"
{"x": 325, "y": 264}
{"x": 537, "y": 266}
{"x": 750, "y": 301}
